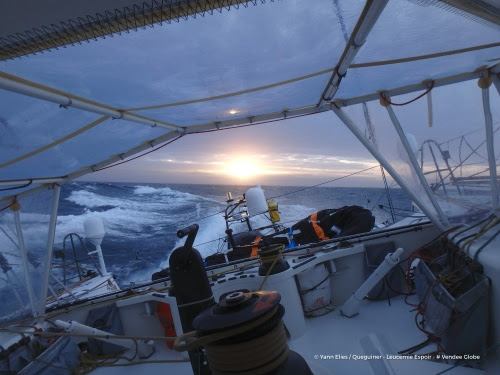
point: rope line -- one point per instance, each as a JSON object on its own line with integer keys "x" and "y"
{"x": 19, "y": 186}
{"x": 46, "y": 316}
{"x": 236, "y": 93}
{"x": 265, "y": 258}
{"x": 14, "y": 201}
{"x": 141, "y": 155}
{"x": 388, "y": 100}
{"x": 323, "y": 183}
{"x": 52, "y": 144}
{"x": 252, "y": 124}
{"x": 96, "y": 336}
{"x": 424, "y": 57}
{"x": 316, "y": 74}
{"x": 198, "y": 132}
{"x": 190, "y": 340}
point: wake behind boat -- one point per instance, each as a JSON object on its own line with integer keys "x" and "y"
{"x": 416, "y": 297}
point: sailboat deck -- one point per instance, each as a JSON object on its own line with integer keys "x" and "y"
{"x": 367, "y": 343}
{"x": 370, "y": 342}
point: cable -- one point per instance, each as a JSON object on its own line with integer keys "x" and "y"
{"x": 323, "y": 183}
{"x": 206, "y": 217}
{"x": 141, "y": 155}
{"x": 301, "y": 292}
{"x": 476, "y": 254}
{"x": 388, "y": 101}
{"x": 53, "y": 144}
{"x": 4, "y": 208}
{"x": 291, "y": 192}
{"x": 232, "y": 94}
{"x": 18, "y": 187}
{"x": 265, "y": 258}
{"x": 389, "y": 199}
{"x": 253, "y": 123}
{"x": 423, "y": 57}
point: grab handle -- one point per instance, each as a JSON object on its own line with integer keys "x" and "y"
{"x": 191, "y": 232}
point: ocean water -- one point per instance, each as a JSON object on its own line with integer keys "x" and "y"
{"x": 141, "y": 221}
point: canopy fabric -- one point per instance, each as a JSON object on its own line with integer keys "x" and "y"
{"x": 249, "y": 61}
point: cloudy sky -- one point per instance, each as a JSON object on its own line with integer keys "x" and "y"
{"x": 234, "y": 51}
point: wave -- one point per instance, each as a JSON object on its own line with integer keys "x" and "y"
{"x": 90, "y": 199}
{"x": 211, "y": 235}
{"x": 145, "y": 218}
{"x": 143, "y": 190}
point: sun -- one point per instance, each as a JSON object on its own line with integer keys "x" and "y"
{"x": 242, "y": 168}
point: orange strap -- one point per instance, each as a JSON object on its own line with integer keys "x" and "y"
{"x": 319, "y": 231}
{"x": 255, "y": 248}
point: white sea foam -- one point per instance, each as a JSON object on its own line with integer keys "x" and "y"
{"x": 118, "y": 222}
{"x": 214, "y": 228}
{"x": 141, "y": 190}
{"x": 89, "y": 199}
{"x": 143, "y": 215}
{"x": 170, "y": 193}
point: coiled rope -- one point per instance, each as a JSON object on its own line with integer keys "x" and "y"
{"x": 271, "y": 256}
{"x": 230, "y": 352}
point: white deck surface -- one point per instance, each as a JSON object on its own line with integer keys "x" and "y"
{"x": 379, "y": 330}
{"x": 339, "y": 345}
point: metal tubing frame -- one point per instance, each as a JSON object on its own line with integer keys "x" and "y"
{"x": 17, "y": 85}
{"x": 56, "y": 189}
{"x": 490, "y": 146}
{"x": 437, "y": 166}
{"x": 102, "y": 263}
{"x": 65, "y": 288}
{"x": 414, "y": 163}
{"x": 372, "y": 11}
{"x": 388, "y": 167}
{"x": 32, "y": 180}
{"x": 313, "y": 109}
{"x": 47, "y": 182}
{"x": 450, "y": 170}
{"x": 54, "y": 294}
{"x": 24, "y": 257}
{"x": 274, "y": 116}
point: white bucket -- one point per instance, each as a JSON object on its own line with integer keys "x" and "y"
{"x": 314, "y": 289}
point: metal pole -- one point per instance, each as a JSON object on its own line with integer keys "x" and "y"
{"x": 414, "y": 163}
{"x": 55, "y": 295}
{"x": 437, "y": 167}
{"x": 56, "y": 189}
{"x": 24, "y": 256}
{"x": 9, "y": 83}
{"x": 368, "y": 18}
{"x": 491, "y": 148}
{"x": 102, "y": 264}
{"x": 388, "y": 167}
{"x": 447, "y": 166}
{"x": 66, "y": 289}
